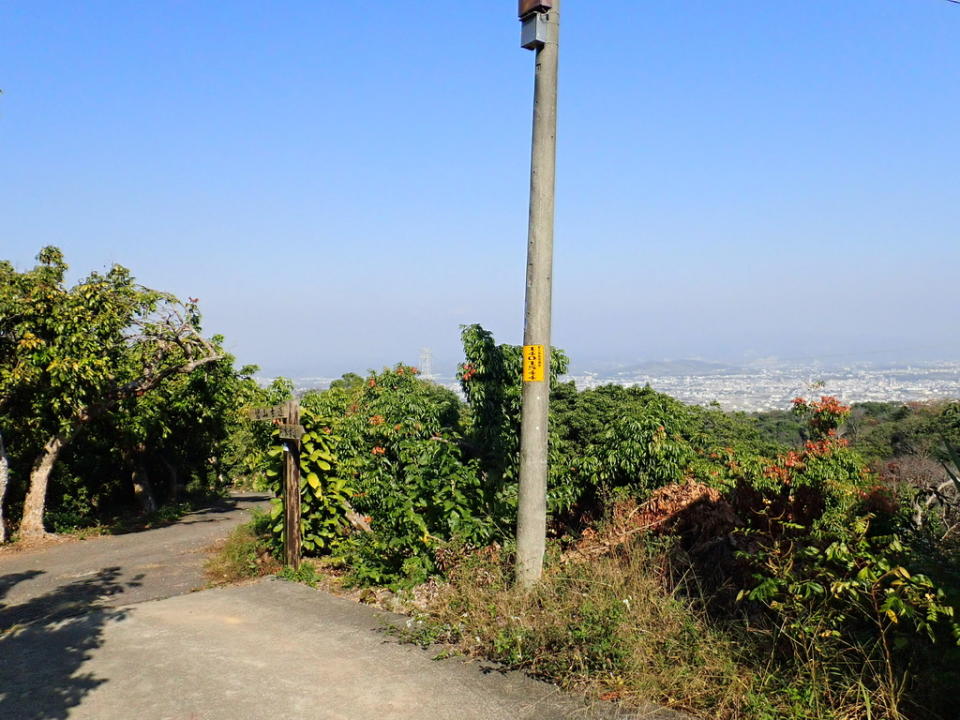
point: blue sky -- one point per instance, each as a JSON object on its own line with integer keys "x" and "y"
{"x": 342, "y": 183}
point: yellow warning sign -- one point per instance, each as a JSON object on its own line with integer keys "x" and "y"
{"x": 533, "y": 363}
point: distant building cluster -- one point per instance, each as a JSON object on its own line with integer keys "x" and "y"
{"x": 774, "y": 389}
{"x": 762, "y": 389}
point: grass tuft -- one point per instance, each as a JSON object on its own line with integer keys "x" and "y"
{"x": 244, "y": 554}
{"x": 606, "y": 627}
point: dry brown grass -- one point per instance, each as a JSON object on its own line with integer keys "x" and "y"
{"x": 244, "y": 554}
{"x": 604, "y": 626}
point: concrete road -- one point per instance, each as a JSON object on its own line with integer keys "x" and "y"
{"x": 270, "y": 649}
{"x": 83, "y": 636}
{"x": 62, "y": 580}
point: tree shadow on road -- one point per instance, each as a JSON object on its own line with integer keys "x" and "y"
{"x": 226, "y": 505}
{"x": 45, "y": 642}
{"x": 8, "y": 581}
{"x": 163, "y": 518}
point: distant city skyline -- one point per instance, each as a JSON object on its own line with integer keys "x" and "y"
{"x": 753, "y": 389}
{"x": 736, "y": 180}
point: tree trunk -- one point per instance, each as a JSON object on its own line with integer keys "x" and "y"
{"x": 4, "y": 479}
{"x": 173, "y": 481}
{"x": 31, "y": 527}
{"x": 219, "y": 481}
{"x": 143, "y": 489}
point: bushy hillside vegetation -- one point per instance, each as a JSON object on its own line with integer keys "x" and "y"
{"x": 800, "y": 564}
{"x": 824, "y": 593}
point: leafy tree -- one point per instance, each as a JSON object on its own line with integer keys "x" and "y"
{"x": 181, "y": 428}
{"x": 73, "y": 354}
{"x": 780, "y": 427}
{"x": 246, "y": 449}
{"x": 398, "y": 447}
{"x": 710, "y": 428}
{"x": 491, "y": 378}
{"x": 348, "y": 381}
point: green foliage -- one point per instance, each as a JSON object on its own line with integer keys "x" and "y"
{"x": 389, "y": 448}
{"x": 68, "y": 349}
{"x": 246, "y": 450}
{"x": 76, "y": 509}
{"x": 123, "y": 375}
{"x": 882, "y": 432}
{"x": 324, "y": 493}
{"x": 634, "y": 446}
{"x": 410, "y": 475}
{"x": 709, "y": 428}
{"x": 780, "y": 427}
{"x": 821, "y": 589}
{"x": 349, "y": 381}
{"x": 306, "y": 574}
{"x": 848, "y": 613}
{"x": 844, "y": 601}
{"x": 630, "y": 441}
{"x": 491, "y": 378}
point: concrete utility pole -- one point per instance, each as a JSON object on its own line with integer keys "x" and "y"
{"x": 541, "y": 30}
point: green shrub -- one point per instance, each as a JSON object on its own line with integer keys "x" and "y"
{"x": 634, "y": 456}
{"x": 306, "y": 574}
{"x": 831, "y": 559}
{"x": 72, "y": 511}
{"x": 387, "y": 448}
{"x": 324, "y": 492}
{"x": 402, "y": 453}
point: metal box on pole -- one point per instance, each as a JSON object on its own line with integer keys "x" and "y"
{"x": 534, "y": 31}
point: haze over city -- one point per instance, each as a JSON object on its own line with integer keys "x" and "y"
{"x": 736, "y": 181}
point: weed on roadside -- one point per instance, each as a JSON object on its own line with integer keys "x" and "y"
{"x": 244, "y": 554}
{"x": 606, "y": 627}
{"x": 306, "y": 574}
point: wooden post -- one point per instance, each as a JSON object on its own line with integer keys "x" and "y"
{"x": 291, "y": 491}
{"x": 287, "y": 417}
